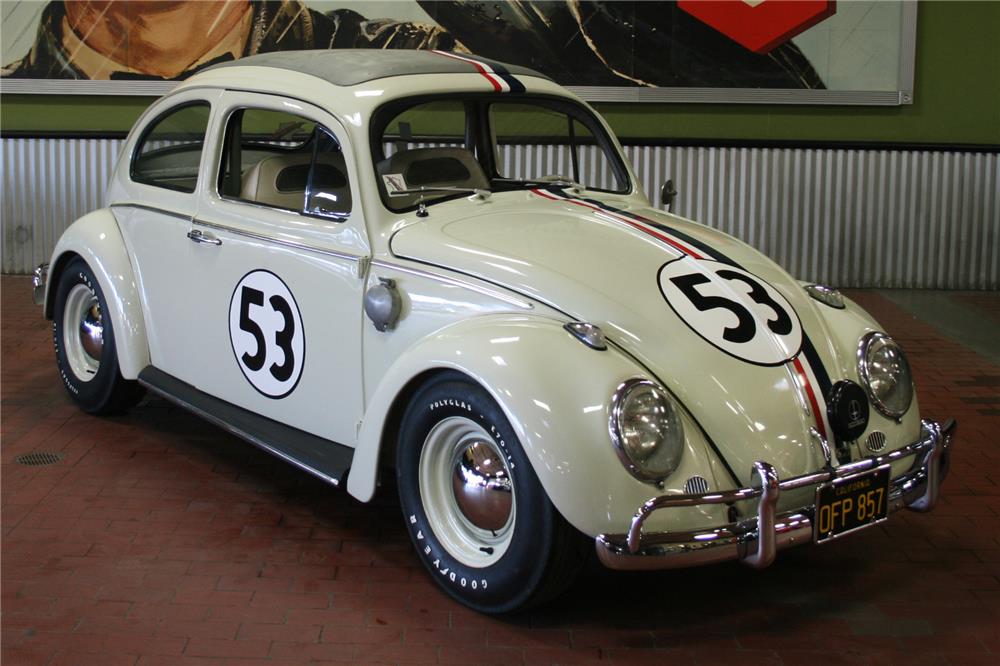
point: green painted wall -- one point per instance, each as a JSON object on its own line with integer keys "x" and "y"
{"x": 957, "y": 99}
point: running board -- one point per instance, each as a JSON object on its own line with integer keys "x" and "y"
{"x": 320, "y": 457}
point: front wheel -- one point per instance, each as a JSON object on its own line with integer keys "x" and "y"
{"x": 85, "y": 344}
{"x": 476, "y": 512}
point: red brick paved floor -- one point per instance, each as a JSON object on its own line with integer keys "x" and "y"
{"x": 161, "y": 540}
{"x": 985, "y": 302}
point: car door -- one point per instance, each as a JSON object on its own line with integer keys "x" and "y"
{"x": 279, "y": 249}
{"x": 154, "y": 196}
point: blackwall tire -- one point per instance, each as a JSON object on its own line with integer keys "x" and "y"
{"x": 479, "y": 518}
{"x": 84, "y": 341}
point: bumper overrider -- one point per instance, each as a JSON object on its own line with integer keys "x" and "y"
{"x": 756, "y": 540}
{"x": 38, "y": 278}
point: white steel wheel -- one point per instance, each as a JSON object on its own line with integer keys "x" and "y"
{"x": 83, "y": 332}
{"x": 467, "y": 492}
{"x": 475, "y": 510}
{"x": 84, "y": 338}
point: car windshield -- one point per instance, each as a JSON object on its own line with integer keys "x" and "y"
{"x": 431, "y": 149}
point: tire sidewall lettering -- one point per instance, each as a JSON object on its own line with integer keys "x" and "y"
{"x": 463, "y": 578}
{"x": 67, "y": 376}
{"x": 97, "y": 389}
{"x": 57, "y": 342}
{"x": 449, "y": 574}
{"x": 69, "y": 379}
{"x": 449, "y": 402}
{"x": 513, "y": 577}
{"x": 435, "y": 556}
{"x": 511, "y": 463}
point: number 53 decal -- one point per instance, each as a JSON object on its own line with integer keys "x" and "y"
{"x": 265, "y": 328}
{"x": 733, "y": 310}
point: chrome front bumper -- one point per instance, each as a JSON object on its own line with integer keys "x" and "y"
{"x": 756, "y": 540}
{"x": 38, "y": 278}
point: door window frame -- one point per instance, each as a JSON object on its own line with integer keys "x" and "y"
{"x": 263, "y": 101}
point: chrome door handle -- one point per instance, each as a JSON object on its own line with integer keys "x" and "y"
{"x": 199, "y": 236}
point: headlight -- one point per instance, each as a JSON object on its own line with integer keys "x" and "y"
{"x": 646, "y": 429}
{"x": 885, "y": 374}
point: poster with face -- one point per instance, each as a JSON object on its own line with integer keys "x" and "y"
{"x": 739, "y": 44}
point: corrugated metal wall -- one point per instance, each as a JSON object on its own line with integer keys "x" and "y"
{"x": 858, "y": 218}
{"x": 853, "y": 218}
{"x": 48, "y": 183}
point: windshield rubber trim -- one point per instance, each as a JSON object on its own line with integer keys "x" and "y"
{"x": 384, "y": 114}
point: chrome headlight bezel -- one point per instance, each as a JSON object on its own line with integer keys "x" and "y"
{"x": 865, "y": 373}
{"x": 619, "y": 407}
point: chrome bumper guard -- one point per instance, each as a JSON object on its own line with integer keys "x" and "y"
{"x": 755, "y": 541}
{"x": 38, "y": 278}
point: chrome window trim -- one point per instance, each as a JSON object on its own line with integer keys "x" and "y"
{"x": 242, "y": 232}
{"x": 290, "y": 211}
{"x": 154, "y": 209}
{"x": 278, "y": 241}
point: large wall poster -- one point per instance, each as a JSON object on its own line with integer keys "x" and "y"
{"x": 769, "y": 51}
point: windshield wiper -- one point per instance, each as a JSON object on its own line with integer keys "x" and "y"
{"x": 425, "y": 190}
{"x": 546, "y": 181}
{"x": 478, "y": 194}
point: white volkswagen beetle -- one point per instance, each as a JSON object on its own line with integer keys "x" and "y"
{"x": 443, "y": 264}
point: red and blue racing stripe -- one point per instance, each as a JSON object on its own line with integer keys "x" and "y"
{"x": 499, "y": 76}
{"x": 806, "y": 366}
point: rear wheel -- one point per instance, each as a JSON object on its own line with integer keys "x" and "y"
{"x": 85, "y": 344}
{"x": 477, "y": 514}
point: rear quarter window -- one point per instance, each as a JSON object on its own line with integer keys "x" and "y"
{"x": 169, "y": 153}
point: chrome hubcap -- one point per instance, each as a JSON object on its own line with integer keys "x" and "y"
{"x": 467, "y": 492}
{"x": 83, "y": 332}
{"x": 92, "y": 332}
{"x": 482, "y": 486}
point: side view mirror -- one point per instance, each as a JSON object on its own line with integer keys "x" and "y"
{"x": 668, "y": 193}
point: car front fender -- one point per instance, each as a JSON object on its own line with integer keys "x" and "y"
{"x": 555, "y": 391}
{"x": 97, "y": 240}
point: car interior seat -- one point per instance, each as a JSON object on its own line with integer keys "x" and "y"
{"x": 433, "y": 167}
{"x": 280, "y": 180}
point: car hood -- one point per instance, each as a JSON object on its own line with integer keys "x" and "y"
{"x": 605, "y": 261}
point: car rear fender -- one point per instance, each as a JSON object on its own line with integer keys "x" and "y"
{"x": 554, "y": 390}
{"x": 96, "y": 239}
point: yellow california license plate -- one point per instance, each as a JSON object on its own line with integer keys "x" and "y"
{"x": 851, "y": 503}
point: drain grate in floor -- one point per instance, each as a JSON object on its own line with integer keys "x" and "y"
{"x": 38, "y": 458}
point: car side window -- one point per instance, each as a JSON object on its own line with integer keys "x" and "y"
{"x": 169, "y": 153}
{"x": 282, "y": 160}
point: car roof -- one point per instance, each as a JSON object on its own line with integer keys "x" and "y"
{"x": 348, "y": 67}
